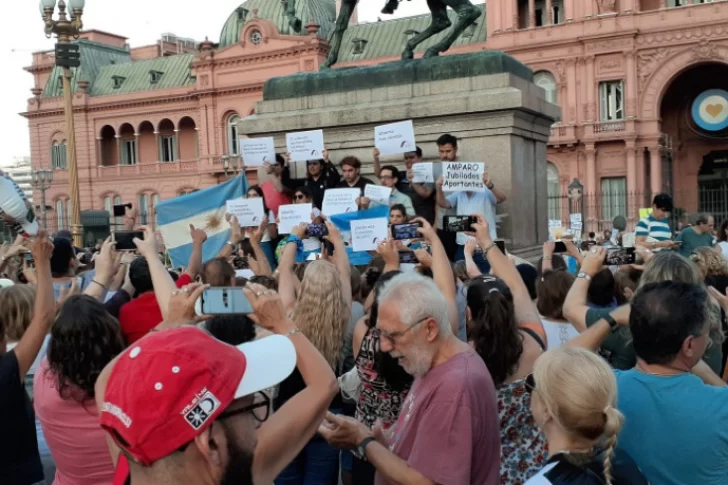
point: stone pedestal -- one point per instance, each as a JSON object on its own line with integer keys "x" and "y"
{"x": 486, "y": 99}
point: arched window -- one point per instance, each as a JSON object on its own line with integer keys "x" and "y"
{"x": 59, "y": 158}
{"x": 60, "y": 214}
{"x": 553, "y": 190}
{"x": 233, "y": 136}
{"x": 109, "y": 203}
{"x": 546, "y": 81}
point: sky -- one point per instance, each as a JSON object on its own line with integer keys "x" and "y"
{"x": 22, "y": 34}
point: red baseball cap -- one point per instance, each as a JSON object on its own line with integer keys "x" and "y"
{"x": 170, "y": 386}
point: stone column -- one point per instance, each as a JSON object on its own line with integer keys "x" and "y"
{"x": 549, "y": 13}
{"x": 631, "y": 180}
{"x": 630, "y": 85}
{"x": 590, "y": 90}
{"x": 591, "y": 169}
{"x": 197, "y": 143}
{"x": 100, "y": 151}
{"x": 175, "y": 155}
{"x": 655, "y": 169}
{"x": 136, "y": 148}
{"x": 118, "y": 148}
{"x": 571, "y": 74}
{"x": 532, "y": 13}
{"x": 568, "y": 11}
{"x": 159, "y": 146}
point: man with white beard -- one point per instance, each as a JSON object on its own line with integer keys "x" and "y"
{"x": 448, "y": 430}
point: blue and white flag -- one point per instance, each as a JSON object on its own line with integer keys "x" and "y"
{"x": 205, "y": 210}
{"x": 343, "y": 222}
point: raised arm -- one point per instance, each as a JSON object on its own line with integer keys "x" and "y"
{"x": 341, "y": 260}
{"x": 488, "y": 182}
{"x": 194, "y": 266}
{"x": 387, "y": 250}
{"x": 441, "y": 270}
{"x": 286, "y": 277}
{"x": 44, "y": 309}
{"x": 525, "y": 309}
{"x": 107, "y": 264}
{"x": 255, "y": 242}
{"x": 575, "y": 307}
{"x": 236, "y": 235}
{"x": 441, "y": 199}
{"x": 15, "y": 250}
{"x": 377, "y": 163}
{"x": 163, "y": 283}
{"x": 420, "y": 189}
{"x": 290, "y": 428}
{"x": 470, "y": 266}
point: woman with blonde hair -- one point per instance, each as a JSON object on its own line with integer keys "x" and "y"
{"x": 573, "y": 400}
{"x": 320, "y": 307}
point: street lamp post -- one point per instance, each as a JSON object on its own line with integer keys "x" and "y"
{"x": 231, "y": 164}
{"x": 41, "y": 180}
{"x": 67, "y": 56}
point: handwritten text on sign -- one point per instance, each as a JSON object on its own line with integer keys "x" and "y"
{"x": 305, "y": 145}
{"x": 340, "y": 201}
{"x": 463, "y": 177}
{"x": 395, "y": 138}
{"x": 367, "y": 233}
{"x": 249, "y": 212}
{"x": 257, "y": 151}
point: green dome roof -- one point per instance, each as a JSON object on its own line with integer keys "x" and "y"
{"x": 323, "y": 13}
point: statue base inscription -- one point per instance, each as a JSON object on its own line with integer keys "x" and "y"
{"x": 486, "y": 99}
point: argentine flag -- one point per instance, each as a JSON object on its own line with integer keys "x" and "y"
{"x": 205, "y": 210}
{"x": 343, "y": 222}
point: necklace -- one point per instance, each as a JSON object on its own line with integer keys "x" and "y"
{"x": 660, "y": 374}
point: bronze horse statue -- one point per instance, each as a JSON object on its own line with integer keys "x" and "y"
{"x": 466, "y": 11}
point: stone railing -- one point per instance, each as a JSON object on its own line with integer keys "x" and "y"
{"x": 181, "y": 166}
{"x": 609, "y": 127}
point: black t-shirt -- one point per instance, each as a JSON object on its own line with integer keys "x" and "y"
{"x": 424, "y": 208}
{"x": 360, "y": 184}
{"x": 560, "y": 471}
{"x": 19, "y": 459}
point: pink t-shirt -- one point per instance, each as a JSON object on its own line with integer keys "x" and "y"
{"x": 73, "y": 434}
{"x": 273, "y": 198}
{"x": 448, "y": 428}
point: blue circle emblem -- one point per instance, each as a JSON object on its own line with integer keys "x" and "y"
{"x": 710, "y": 110}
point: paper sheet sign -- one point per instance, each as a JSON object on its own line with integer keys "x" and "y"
{"x": 257, "y": 151}
{"x": 463, "y": 177}
{"x": 422, "y": 173}
{"x": 367, "y": 233}
{"x": 395, "y": 138}
{"x": 249, "y": 212}
{"x": 305, "y": 145}
{"x": 340, "y": 201}
{"x": 644, "y": 212}
{"x": 575, "y": 223}
{"x": 289, "y": 216}
{"x": 378, "y": 193}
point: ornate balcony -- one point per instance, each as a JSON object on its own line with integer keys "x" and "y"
{"x": 609, "y": 127}
{"x": 158, "y": 168}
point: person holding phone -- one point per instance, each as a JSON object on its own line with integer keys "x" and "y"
{"x": 271, "y": 232}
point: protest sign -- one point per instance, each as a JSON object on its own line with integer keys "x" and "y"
{"x": 305, "y": 145}
{"x": 289, "y": 216}
{"x": 367, "y": 233}
{"x": 645, "y": 211}
{"x": 422, "y": 173}
{"x": 395, "y": 138}
{"x": 378, "y": 193}
{"x": 249, "y": 212}
{"x": 257, "y": 151}
{"x": 340, "y": 201}
{"x": 463, "y": 177}
{"x": 575, "y": 223}
{"x": 556, "y": 232}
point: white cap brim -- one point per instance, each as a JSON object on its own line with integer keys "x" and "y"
{"x": 268, "y": 362}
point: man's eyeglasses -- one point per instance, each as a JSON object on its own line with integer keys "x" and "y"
{"x": 260, "y": 409}
{"x": 392, "y": 336}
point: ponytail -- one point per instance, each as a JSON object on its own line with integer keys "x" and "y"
{"x": 612, "y": 425}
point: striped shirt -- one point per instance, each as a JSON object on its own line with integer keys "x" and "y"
{"x": 654, "y": 229}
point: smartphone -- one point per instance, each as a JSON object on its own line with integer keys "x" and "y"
{"x": 120, "y": 210}
{"x": 227, "y": 300}
{"x": 406, "y": 231}
{"x": 501, "y": 245}
{"x": 560, "y": 247}
{"x": 28, "y": 257}
{"x": 407, "y": 257}
{"x": 459, "y": 223}
{"x": 317, "y": 230}
{"x": 619, "y": 256}
{"x": 125, "y": 240}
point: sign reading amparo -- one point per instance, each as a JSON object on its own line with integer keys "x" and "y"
{"x": 463, "y": 177}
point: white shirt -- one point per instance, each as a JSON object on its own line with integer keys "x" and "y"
{"x": 723, "y": 245}
{"x": 476, "y": 203}
{"x": 558, "y": 333}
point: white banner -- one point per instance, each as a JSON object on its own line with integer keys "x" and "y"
{"x": 378, "y": 193}
{"x": 249, "y": 212}
{"x": 257, "y": 151}
{"x": 463, "y": 176}
{"x": 305, "y": 145}
{"x": 422, "y": 173}
{"x": 395, "y": 138}
{"x": 289, "y": 216}
{"x": 340, "y": 201}
{"x": 367, "y": 233}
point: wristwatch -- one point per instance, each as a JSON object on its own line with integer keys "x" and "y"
{"x": 363, "y": 446}
{"x": 613, "y": 325}
{"x": 585, "y": 276}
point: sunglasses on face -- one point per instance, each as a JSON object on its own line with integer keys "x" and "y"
{"x": 530, "y": 383}
{"x": 300, "y": 197}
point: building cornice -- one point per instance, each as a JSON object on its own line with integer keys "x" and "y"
{"x": 294, "y": 51}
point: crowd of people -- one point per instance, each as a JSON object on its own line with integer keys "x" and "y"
{"x": 468, "y": 366}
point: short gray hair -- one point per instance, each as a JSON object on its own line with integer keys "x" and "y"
{"x": 418, "y": 298}
{"x": 702, "y": 218}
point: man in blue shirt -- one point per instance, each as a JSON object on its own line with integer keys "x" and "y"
{"x": 653, "y": 231}
{"x": 698, "y": 235}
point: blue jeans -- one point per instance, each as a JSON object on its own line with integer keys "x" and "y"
{"x": 316, "y": 464}
{"x": 482, "y": 263}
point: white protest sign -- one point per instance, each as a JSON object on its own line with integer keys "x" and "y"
{"x": 422, "y": 173}
{"x": 249, "y": 212}
{"x": 289, "y": 216}
{"x": 244, "y": 273}
{"x": 575, "y": 223}
{"x": 395, "y": 138}
{"x": 340, "y": 201}
{"x": 367, "y": 233}
{"x": 378, "y": 193}
{"x": 305, "y": 145}
{"x": 257, "y": 151}
{"x": 463, "y": 177}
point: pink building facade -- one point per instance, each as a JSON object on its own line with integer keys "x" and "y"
{"x": 639, "y": 82}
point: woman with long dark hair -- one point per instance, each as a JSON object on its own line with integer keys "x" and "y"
{"x": 271, "y": 233}
{"x": 505, "y": 329}
{"x": 84, "y": 338}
